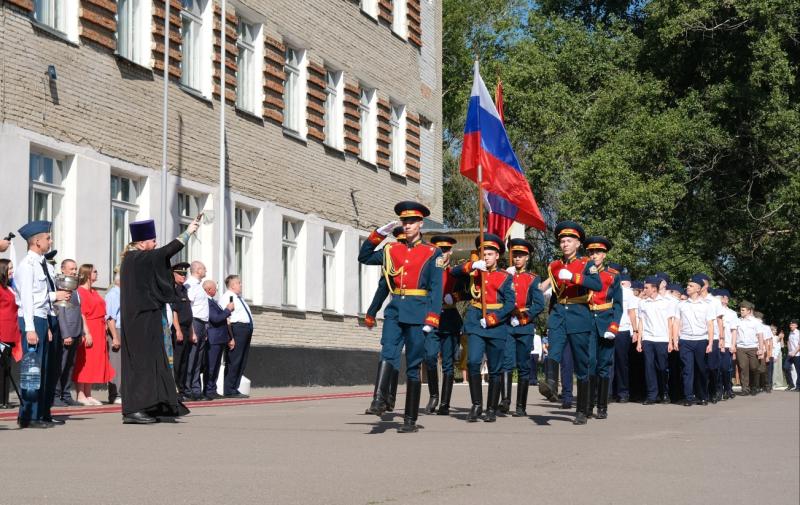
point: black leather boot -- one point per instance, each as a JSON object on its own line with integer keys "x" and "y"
{"x": 381, "y": 394}
{"x": 602, "y": 398}
{"x": 522, "y": 398}
{"x": 593, "y": 380}
{"x": 433, "y": 390}
{"x": 391, "y": 398}
{"x": 476, "y": 395}
{"x": 549, "y": 386}
{"x": 582, "y": 402}
{"x": 492, "y": 400}
{"x": 413, "y": 390}
{"x": 505, "y": 392}
{"x": 447, "y": 393}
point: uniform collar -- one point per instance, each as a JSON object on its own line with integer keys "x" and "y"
{"x": 38, "y": 257}
{"x": 417, "y": 242}
{"x": 520, "y": 271}
{"x": 569, "y": 260}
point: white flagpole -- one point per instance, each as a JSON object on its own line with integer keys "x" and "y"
{"x": 222, "y": 203}
{"x": 163, "y": 216}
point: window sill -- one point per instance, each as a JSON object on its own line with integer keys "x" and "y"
{"x": 249, "y": 114}
{"x": 371, "y": 164}
{"x": 335, "y": 151}
{"x": 373, "y": 17}
{"x": 329, "y": 315}
{"x": 195, "y": 93}
{"x": 287, "y": 132}
{"x": 55, "y": 33}
{"x": 138, "y": 65}
{"x": 400, "y": 36}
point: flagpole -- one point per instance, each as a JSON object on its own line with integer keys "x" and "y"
{"x": 480, "y": 234}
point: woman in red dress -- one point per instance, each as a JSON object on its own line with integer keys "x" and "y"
{"x": 91, "y": 362}
{"x": 9, "y": 329}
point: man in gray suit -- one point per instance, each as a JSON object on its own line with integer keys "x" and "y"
{"x": 71, "y": 322}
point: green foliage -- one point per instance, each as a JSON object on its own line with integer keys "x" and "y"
{"x": 669, "y": 126}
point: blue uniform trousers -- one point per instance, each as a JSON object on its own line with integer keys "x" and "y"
{"x": 395, "y": 335}
{"x": 567, "y": 368}
{"x": 509, "y": 354}
{"x": 580, "y": 345}
{"x": 443, "y": 342}
{"x": 213, "y": 364}
{"x": 693, "y": 359}
{"x": 621, "y": 366}
{"x": 602, "y": 358}
{"x": 726, "y": 371}
{"x": 197, "y": 358}
{"x": 494, "y": 349}
{"x": 787, "y": 370}
{"x": 521, "y": 345}
{"x": 655, "y": 368}
{"x": 534, "y": 369}
{"x": 35, "y": 404}
{"x": 712, "y": 367}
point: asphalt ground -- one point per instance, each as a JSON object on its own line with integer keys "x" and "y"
{"x": 316, "y": 446}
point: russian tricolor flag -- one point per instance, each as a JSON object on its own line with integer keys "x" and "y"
{"x": 486, "y": 144}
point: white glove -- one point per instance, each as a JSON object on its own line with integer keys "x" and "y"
{"x": 448, "y": 299}
{"x": 609, "y": 335}
{"x": 514, "y": 321}
{"x": 479, "y": 265}
{"x": 483, "y": 323}
{"x": 512, "y": 270}
{"x": 427, "y": 328}
{"x": 387, "y": 228}
{"x": 565, "y": 275}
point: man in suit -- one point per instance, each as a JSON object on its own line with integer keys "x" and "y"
{"x": 218, "y": 337}
{"x": 70, "y": 321}
{"x": 242, "y": 330}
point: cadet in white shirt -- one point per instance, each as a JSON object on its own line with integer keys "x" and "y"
{"x": 654, "y": 323}
{"x": 749, "y": 346}
{"x": 241, "y": 320}
{"x": 764, "y": 353}
{"x": 730, "y": 324}
{"x": 695, "y": 328}
{"x": 793, "y": 357}
{"x": 198, "y": 355}
{"x": 627, "y": 335}
{"x": 713, "y": 358}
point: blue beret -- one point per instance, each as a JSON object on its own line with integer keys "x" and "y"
{"x": 625, "y": 277}
{"x": 653, "y": 280}
{"x": 34, "y": 228}
{"x": 663, "y": 275}
{"x": 722, "y": 292}
{"x": 143, "y": 230}
{"x": 569, "y": 229}
{"x": 637, "y": 285}
{"x": 698, "y": 279}
{"x": 674, "y": 286}
{"x": 703, "y": 276}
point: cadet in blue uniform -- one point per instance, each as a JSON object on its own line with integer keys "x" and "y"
{"x": 606, "y": 308}
{"x": 570, "y": 322}
{"x": 486, "y": 334}
{"x": 444, "y": 340}
{"x": 413, "y": 271}
{"x": 529, "y": 303}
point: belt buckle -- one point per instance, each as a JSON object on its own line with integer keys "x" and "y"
{"x": 402, "y": 291}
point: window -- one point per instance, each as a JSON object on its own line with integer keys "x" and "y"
{"x": 134, "y": 37}
{"x": 369, "y": 124}
{"x": 60, "y": 15}
{"x": 370, "y": 8}
{"x": 188, "y": 209}
{"x": 196, "y": 46}
{"x": 124, "y": 192}
{"x": 46, "y": 191}
{"x": 243, "y": 236}
{"x": 399, "y": 21}
{"x": 334, "y": 110}
{"x": 294, "y": 91}
{"x": 248, "y": 76}
{"x": 367, "y": 284}
{"x": 289, "y": 260}
{"x": 330, "y": 240}
{"x": 398, "y": 123}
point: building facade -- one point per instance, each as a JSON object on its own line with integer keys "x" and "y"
{"x": 332, "y": 114}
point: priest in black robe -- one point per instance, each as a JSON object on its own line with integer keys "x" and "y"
{"x": 146, "y": 286}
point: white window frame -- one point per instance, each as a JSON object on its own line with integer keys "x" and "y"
{"x": 294, "y": 91}
{"x": 134, "y": 31}
{"x": 244, "y": 219}
{"x": 53, "y": 190}
{"x": 370, "y": 8}
{"x": 368, "y": 113}
{"x": 334, "y": 109}
{"x": 128, "y": 208}
{"x": 400, "y": 18}
{"x": 60, "y": 16}
{"x": 290, "y": 262}
{"x": 368, "y": 278}
{"x": 196, "y": 46}
{"x": 398, "y": 147}
{"x": 330, "y": 270}
{"x": 249, "y": 73}
{"x": 189, "y": 206}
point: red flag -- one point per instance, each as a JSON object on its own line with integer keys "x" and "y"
{"x": 498, "y": 223}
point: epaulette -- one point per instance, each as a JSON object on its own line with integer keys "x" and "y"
{"x": 612, "y": 270}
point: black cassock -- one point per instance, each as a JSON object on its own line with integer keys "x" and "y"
{"x": 146, "y": 285}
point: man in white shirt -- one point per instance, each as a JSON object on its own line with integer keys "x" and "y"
{"x": 695, "y": 319}
{"x": 730, "y": 324}
{"x": 241, "y": 321}
{"x": 793, "y": 357}
{"x": 654, "y": 324}
{"x": 38, "y": 293}
{"x": 764, "y": 354}
{"x": 628, "y": 334}
{"x": 199, "y": 352}
{"x": 713, "y": 357}
{"x": 749, "y": 347}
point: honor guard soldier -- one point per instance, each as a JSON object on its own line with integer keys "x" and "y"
{"x": 529, "y": 303}
{"x": 444, "y": 340}
{"x": 413, "y": 272}
{"x": 486, "y": 334}
{"x": 570, "y": 322}
{"x": 606, "y": 308}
